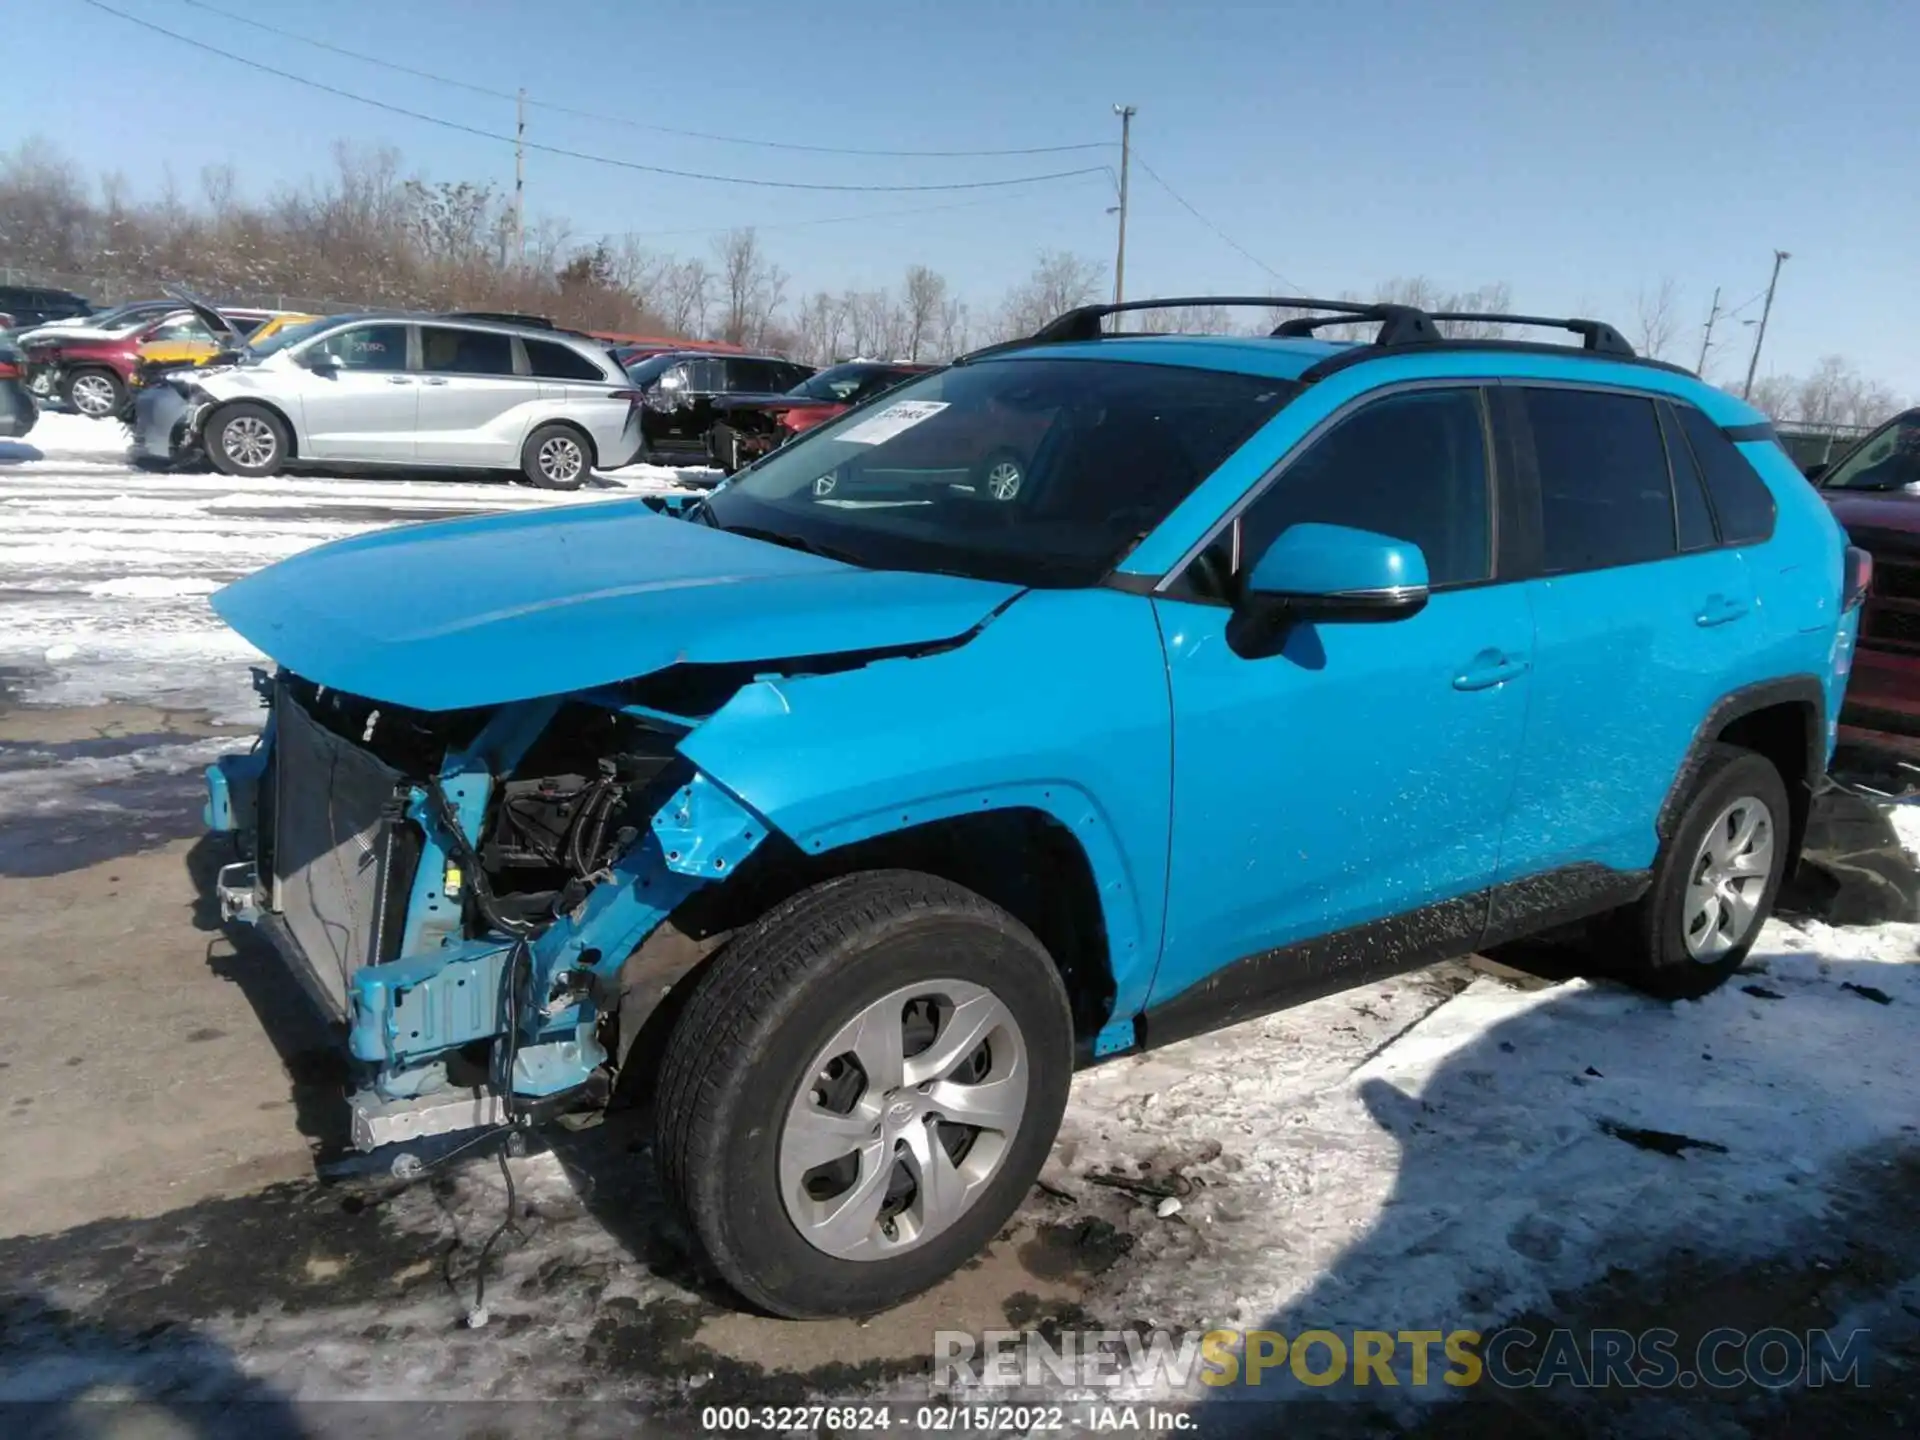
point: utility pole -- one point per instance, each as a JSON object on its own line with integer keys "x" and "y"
{"x": 520, "y": 180}
{"x": 1765, "y": 310}
{"x": 1706, "y": 341}
{"x": 1126, "y": 114}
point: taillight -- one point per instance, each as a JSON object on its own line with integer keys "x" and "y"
{"x": 789, "y": 420}
{"x": 9, "y": 370}
{"x": 632, "y": 397}
{"x": 1858, "y": 580}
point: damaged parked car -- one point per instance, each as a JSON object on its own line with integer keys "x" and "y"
{"x": 684, "y": 389}
{"x": 746, "y": 427}
{"x": 845, "y": 823}
{"x": 382, "y": 390}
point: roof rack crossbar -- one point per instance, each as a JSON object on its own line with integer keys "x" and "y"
{"x": 1595, "y": 335}
{"x": 1400, "y": 325}
{"x": 1083, "y": 322}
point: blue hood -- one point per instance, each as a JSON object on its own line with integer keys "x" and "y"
{"x": 461, "y": 613}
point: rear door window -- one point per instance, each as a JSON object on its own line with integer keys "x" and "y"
{"x": 447, "y": 351}
{"x": 1605, "y": 494}
{"x": 1740, "y": 497}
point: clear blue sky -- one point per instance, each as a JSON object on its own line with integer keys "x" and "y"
{"x": 1579, "y": 152}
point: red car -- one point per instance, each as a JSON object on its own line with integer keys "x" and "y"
{"x": 748, "y": 426}
{"x": 91, "y": 371}
{"x": 1874, "y": 490}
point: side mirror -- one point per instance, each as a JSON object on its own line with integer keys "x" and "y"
{"x": 1817, "y": 469}
{"x": 320, "y": 358}
{"x": 1314, "y": 572}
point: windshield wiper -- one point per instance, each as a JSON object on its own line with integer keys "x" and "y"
{"x": 794, "y": 542}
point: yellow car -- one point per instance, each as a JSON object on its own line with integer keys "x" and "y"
{"x": 187, "y": 351}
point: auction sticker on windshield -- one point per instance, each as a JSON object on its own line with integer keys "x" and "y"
{"x": 900, "y": 416}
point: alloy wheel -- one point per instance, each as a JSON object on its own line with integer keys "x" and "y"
{"x": 903, "y": 1119}
{"x": 93, "y": 395}
{"x": 1728, "y": 879}
{"x": 1003, "y": 480}
{"x": 561, "y": 460}
{"x": 249, "y": 442}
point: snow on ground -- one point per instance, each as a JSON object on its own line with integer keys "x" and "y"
{"x": 105, "y": 568}
{"x": 1474, "y": 1165}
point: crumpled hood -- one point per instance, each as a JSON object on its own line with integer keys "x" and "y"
{"x": 459, "y": 613}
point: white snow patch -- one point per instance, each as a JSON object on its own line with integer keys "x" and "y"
{"x": 151, "y": 587}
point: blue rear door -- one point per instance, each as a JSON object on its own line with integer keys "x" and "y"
{"x": 1642, "y": 619}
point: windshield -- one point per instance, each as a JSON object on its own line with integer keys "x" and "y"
{"x": 292, "y": 335}
{"x": 1034, "y": 471}
{"x": 837, "y": 384}
{"x": 1887, "y": 461}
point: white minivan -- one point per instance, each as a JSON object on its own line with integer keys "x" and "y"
{"x": 421, "y": 391}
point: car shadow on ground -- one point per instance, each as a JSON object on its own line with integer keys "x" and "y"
{"x": 64, "y": 1376}
{"x": 309, "y": 1045}
{"x": 18, "y": 452}
{"x": 1598, "y": 1160}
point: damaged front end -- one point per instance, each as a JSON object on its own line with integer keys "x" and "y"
{"x": 460, "y": 891}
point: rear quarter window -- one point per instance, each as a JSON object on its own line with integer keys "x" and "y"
{"x": 560, "y": 362}
{"x": 1741, "y": 500}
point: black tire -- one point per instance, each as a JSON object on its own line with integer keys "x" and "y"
{"x": 753, "y": 1027}
{"x": 248, "y": 440}
{"x": 1652, "y": 934}
{"x": 94, "y": 391}
{"x": 556, "y": 457}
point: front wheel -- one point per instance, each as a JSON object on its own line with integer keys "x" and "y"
{"x": 555, "y": 458}
{"x": 861, "y": 1091}
{"x": 247, "y": 440}
{"x": 1714, "y": 882}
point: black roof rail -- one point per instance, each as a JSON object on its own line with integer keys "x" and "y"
{"x": 1400, "y": 325}
{"x": 1595, "y": 335}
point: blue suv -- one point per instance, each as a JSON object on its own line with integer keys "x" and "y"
{"x": 1091, "y": 692}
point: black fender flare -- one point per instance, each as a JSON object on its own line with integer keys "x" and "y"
{"x": 1803, "y": 690}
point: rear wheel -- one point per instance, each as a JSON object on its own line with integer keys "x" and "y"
{"x": 248, "y": 440}
{"x": 1714, "y": 882}
{"x": 555, "y": 458}
{"x": 861, "y": 1091}
{"x": 94, "y": 393}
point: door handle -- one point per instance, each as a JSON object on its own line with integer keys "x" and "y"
{"x": 1719, "y": 609}
{"x": 398, "y": 380}
{"x": 1490, "y": 668}
{"x": 435, "y": 380}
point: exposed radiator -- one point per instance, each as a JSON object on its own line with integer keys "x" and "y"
{"x": 328, "y": 799}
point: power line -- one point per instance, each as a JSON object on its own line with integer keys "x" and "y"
{"x": 824, "y": 220}
{"x": 580, "y": 154}
{"x": 623, "y": 120}
{"x": 1154, "y": 175}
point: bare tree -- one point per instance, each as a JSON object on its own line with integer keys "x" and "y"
{"x": 955, "y": 323}
{"x": 1059, "y": 282}
{"x": 1834, "y": 393}
{"x": 751, "y": 287}
{"x": 686, "y": 297}
{"x": 1657, "y": 316}
{"x": 926, "y": 297}
{"x": 820, "y": 323}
